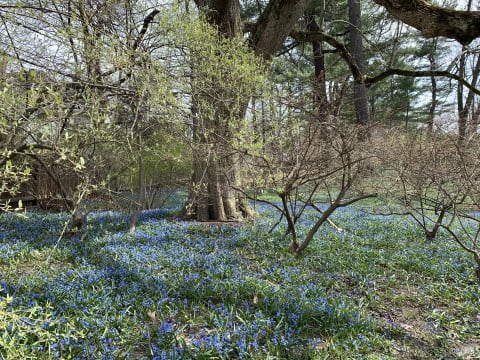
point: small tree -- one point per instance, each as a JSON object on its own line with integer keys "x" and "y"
{"x": 46, "y": 130}
{"x": 63, "y": 116}
{"x": 309, "y": 165}
{"x": 464, "y": 226}
{"x": 436, "y": 181}
{"x": 418, "y": 173}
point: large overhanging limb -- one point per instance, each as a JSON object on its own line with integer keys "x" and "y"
{"x": 274, "y": 25}
{"x": 434, "y": 21}
{"x": 431, "y": 20}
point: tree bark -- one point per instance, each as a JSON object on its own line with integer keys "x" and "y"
{"x": 462, "y": 114}
{"x": 223, "y": 14}
{"x": 320, "y": 100}
{"x": 434, "y": 21}
{"x": 275, "y": 24}
{"x": 464, "y": 108}
{"x": 433, "y": 80}
{"x": 215, "y": 167}
{"x": 356, "y": 48}
{"x": 205, "y": 199}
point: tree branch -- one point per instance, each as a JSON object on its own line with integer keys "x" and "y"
{"x": 306, "y": 36}
{"x": 143, "y": 31}
{"x": 146, "y": 23}
{"x": 356, "y": 199}
{"x": 311, "y": 36}
{"x": 369, "y": 80}
{"x": 434, "y": 21}
{"x": 21, "y": 149}
{"x": 274, "y": 25}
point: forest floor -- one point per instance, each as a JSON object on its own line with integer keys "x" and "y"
{"x": 183, "y": 290}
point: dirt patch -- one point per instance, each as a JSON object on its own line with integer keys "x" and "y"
{"x": 408, "y": 324}
{"x": 408, "y": 329}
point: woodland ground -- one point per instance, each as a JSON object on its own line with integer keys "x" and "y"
{"x": 173, "y": 289}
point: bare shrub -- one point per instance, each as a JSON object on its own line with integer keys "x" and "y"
{"x": 311, "y": 164}
{"x": 436, "y": 182}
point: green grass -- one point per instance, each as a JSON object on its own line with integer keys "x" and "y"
{"x": 375, "y": 290}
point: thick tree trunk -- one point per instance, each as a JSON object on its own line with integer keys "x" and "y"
{"x": 215, "y": 167}
{"x": 225, "y": 14}
{"x": 205, "y": 199}
{"x": 356, "y": 48}
{"x": 275, "y": 24}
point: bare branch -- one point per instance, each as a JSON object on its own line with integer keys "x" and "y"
{"x": 420, "y": 73}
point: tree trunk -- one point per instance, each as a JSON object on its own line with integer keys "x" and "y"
{"x": 432, "y": 234}
{"x": 313, "y": 230}
{"x": 215, "y": 167}
{"x": 433, "y": 104}
{"x": 462, "y": 112}
{"x": 475, "y": 119}
{"x": 205, "y": 199}
{"x": 477, "y": 270}
{"x": 320, "y": 100}
{"x": 464, "y": 109}
{"x": 77, "y": 220}
{"x": 140, "y": 202}
{"x": 407, "y": 112}
{"x": 225, "y": 15}
{"x": 275, "y": 24}
{"x": 356, "y": 48}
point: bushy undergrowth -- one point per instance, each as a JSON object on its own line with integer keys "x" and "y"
{"x": 179, "y": 290}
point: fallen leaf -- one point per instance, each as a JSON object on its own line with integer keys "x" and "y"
{"x": 152, "y": 316}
